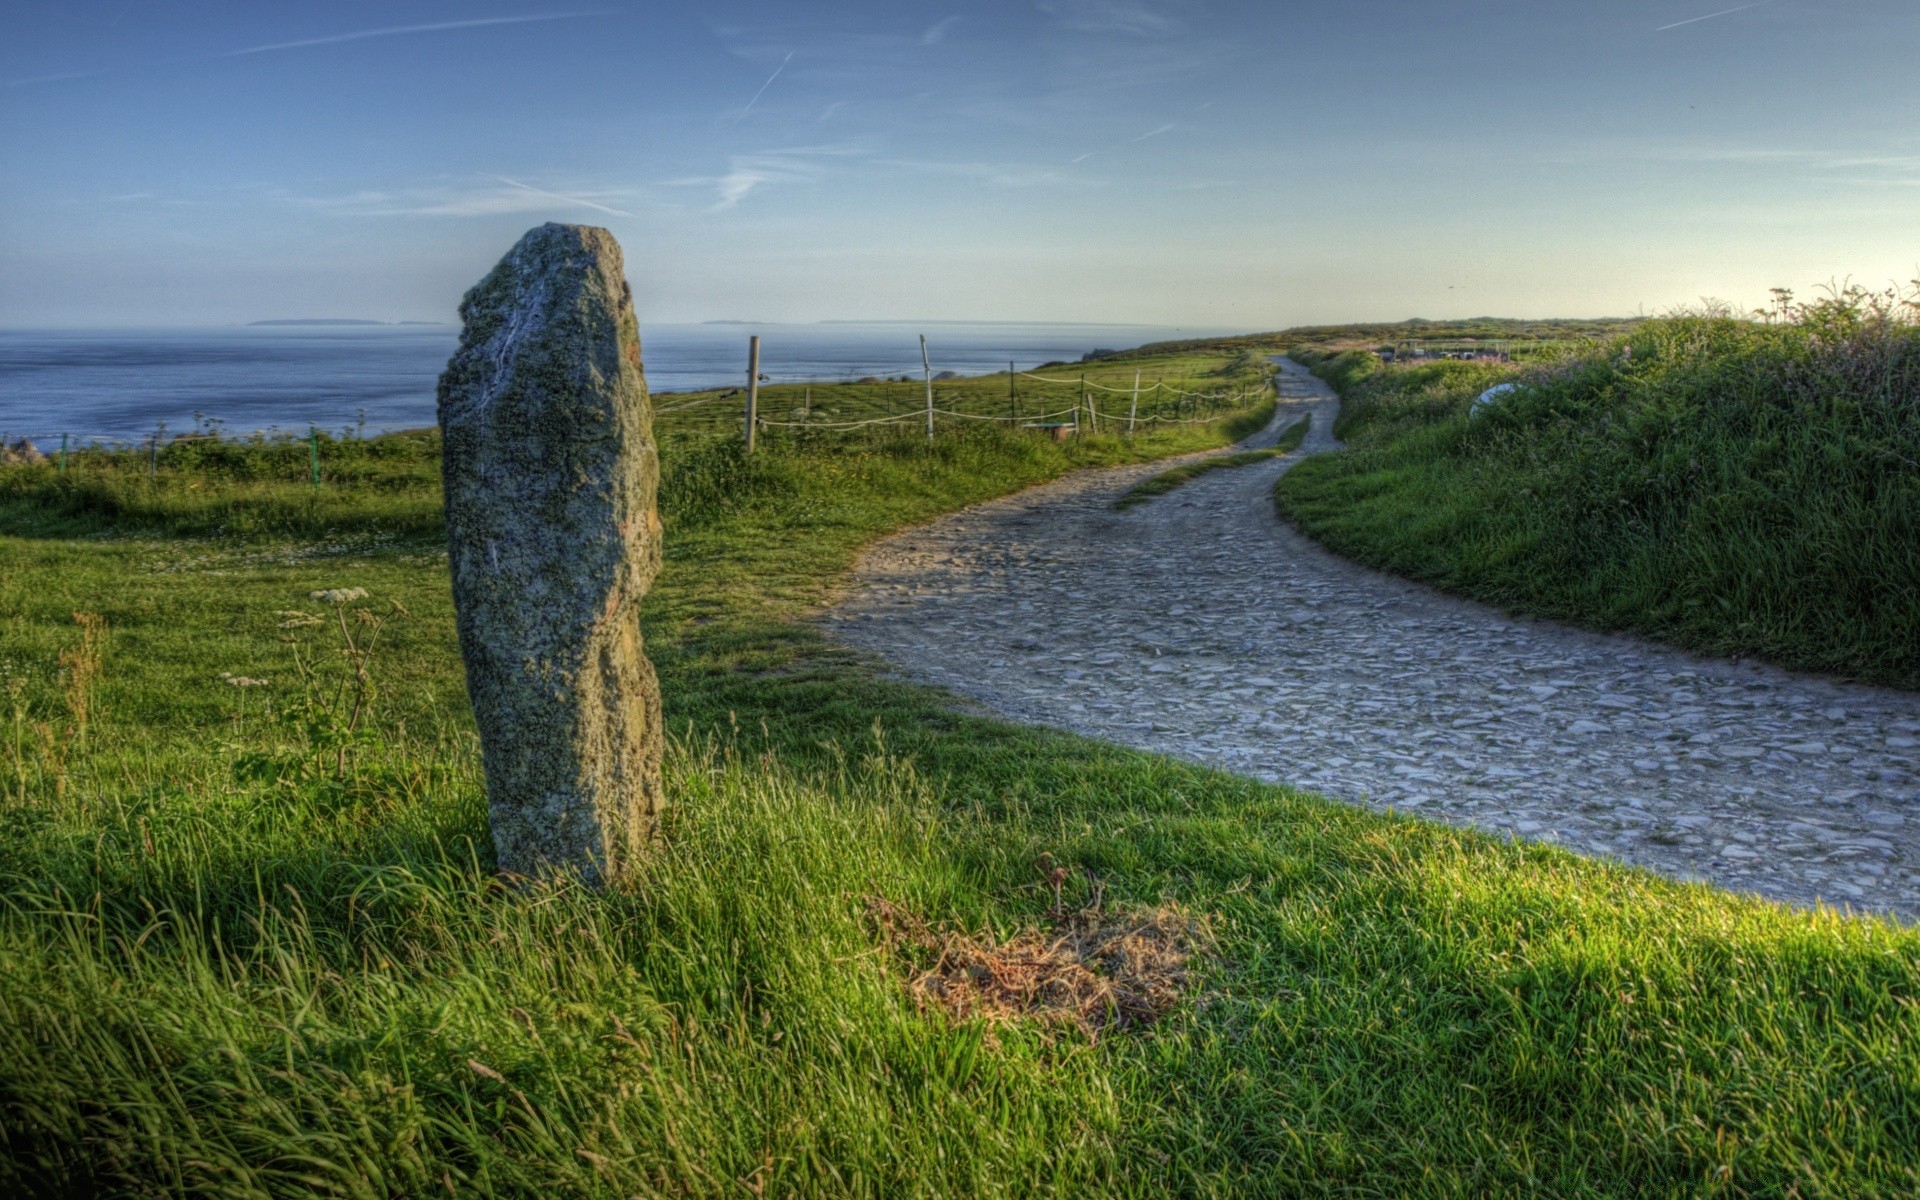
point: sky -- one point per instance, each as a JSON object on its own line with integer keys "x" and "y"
{"x": 1222, "y": 163}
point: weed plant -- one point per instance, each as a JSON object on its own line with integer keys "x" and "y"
{"x": 1731, "y": 485}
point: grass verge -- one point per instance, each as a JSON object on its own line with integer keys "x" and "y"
{"x": 1728, "y": 486}
{"x": 1174, "y": 477}
{"x": 251, "y": 945}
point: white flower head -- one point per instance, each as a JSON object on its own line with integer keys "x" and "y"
{"x": 338, "y": 595}
{"x": 241, "y": 681}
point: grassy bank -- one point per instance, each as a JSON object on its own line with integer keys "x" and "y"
{"x": 250, "y": 944}
{"x": 1726, "y": 485}
{"x": 1175, "y": 477}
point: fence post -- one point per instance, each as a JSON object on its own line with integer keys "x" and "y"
{"x": 926, "y": 368}
{"x": 1013, "y": 396}
{"x": 753, "y": 388}
{"x": 1133, "y": 410}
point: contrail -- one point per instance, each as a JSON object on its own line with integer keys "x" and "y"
{"x": 397, "y": 30}
{"x": 1710, "y": 16}
{"x": 1153, "y": 133}
{"x": 557, "y": 196}
{"x": 766, "y": 85}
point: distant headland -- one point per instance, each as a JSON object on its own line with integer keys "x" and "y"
{"x": 337, "y": 321}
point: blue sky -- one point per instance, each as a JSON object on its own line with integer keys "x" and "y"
{"x": 1172, "y": 161}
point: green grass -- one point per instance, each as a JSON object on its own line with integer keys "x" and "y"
{"x": 1166, "y": 481}
{"x": 1724, "y": 485}
{"x": 228, "y": 969}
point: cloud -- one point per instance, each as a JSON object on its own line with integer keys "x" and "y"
{"x": 58, "y": 77}
{"x": 748, "y": 173}
{"x": 1154, "y": 132}
{"x": 399, "y": 30}
{"x": 1109, "y": 16}
{"x": 938, "y": 30}
{"x": 766, "y": 85}
{"x": 1710, "y": 16}
{"x": 329, "y": 40}
{"x": 579, "y": 201}
{"x": 1000, "y": 175}
{"x": 511, "y": 196}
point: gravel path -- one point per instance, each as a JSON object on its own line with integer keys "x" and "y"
{"x": 1198, "y": 625}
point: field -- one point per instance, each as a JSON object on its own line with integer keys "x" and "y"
{"x": 251, "y": 943}
{"x": 1726, "y": 485}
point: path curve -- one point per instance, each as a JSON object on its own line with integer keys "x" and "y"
{"x": 1199, "y": 625}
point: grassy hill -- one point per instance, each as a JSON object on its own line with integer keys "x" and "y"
{"x": 1728, "y": 485}
{"x": 251, "y": 943}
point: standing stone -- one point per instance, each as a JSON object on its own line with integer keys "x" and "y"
{"x": 552, "y": 535}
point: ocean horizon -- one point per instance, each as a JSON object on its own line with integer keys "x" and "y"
{"x": 120, "y": 385}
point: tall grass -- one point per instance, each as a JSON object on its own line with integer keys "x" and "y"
{"x": 251, "y": 943}
{"x": 1730, "y": 485}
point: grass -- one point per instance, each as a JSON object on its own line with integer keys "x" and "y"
{"x": 1174, "y": 477}
{"x": 1732, "y": 486}
{"x": 235, "y": 961}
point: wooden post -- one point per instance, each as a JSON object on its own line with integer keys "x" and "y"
{"x": 753, "y": 388}
{"x": 1133, "y": 410}
{"x": 1013, "y": 396}
{"x": 1093, "y": 426}
{"x": 926, "y": 369}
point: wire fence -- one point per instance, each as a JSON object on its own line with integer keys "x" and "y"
{"x": 892, "y": 399}
{"x": 878, "y": 401}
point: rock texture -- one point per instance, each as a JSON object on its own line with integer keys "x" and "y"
{"x": 1199, "y": 625}
{"x": 20, "y": 453}
{"x": 553, "y": 538}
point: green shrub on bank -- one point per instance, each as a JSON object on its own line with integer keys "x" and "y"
{"x": 1731, "y": 486}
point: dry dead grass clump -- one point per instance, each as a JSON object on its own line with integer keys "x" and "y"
{"x": 1094, "y": 969}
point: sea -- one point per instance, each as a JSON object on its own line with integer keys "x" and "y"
{"x": 118, "y": 386}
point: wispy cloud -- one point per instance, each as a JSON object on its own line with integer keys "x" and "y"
{"x": 57, "y": 77}
{"x": 1000, "y": 175}
{"x": 1725, "y": 12}
{"x": 501, "y": 196}
{"x": 402, "y": 30}
{"x": 766, "y": 85}
{"x": 1154, "y": 132}
{"x": 748, "y": 173}
{"x": 581, "y": 201}
{"x": 1830, "y": 165}
{"x": 1110, "y": 16}
{"x": 359, "y": 35}
{"x": 938, "y": 30}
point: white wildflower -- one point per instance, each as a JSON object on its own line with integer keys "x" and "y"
{"x": 241, "y": 681}
{"x": 338, "y": 595}
{"x": 291, "y": 618}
